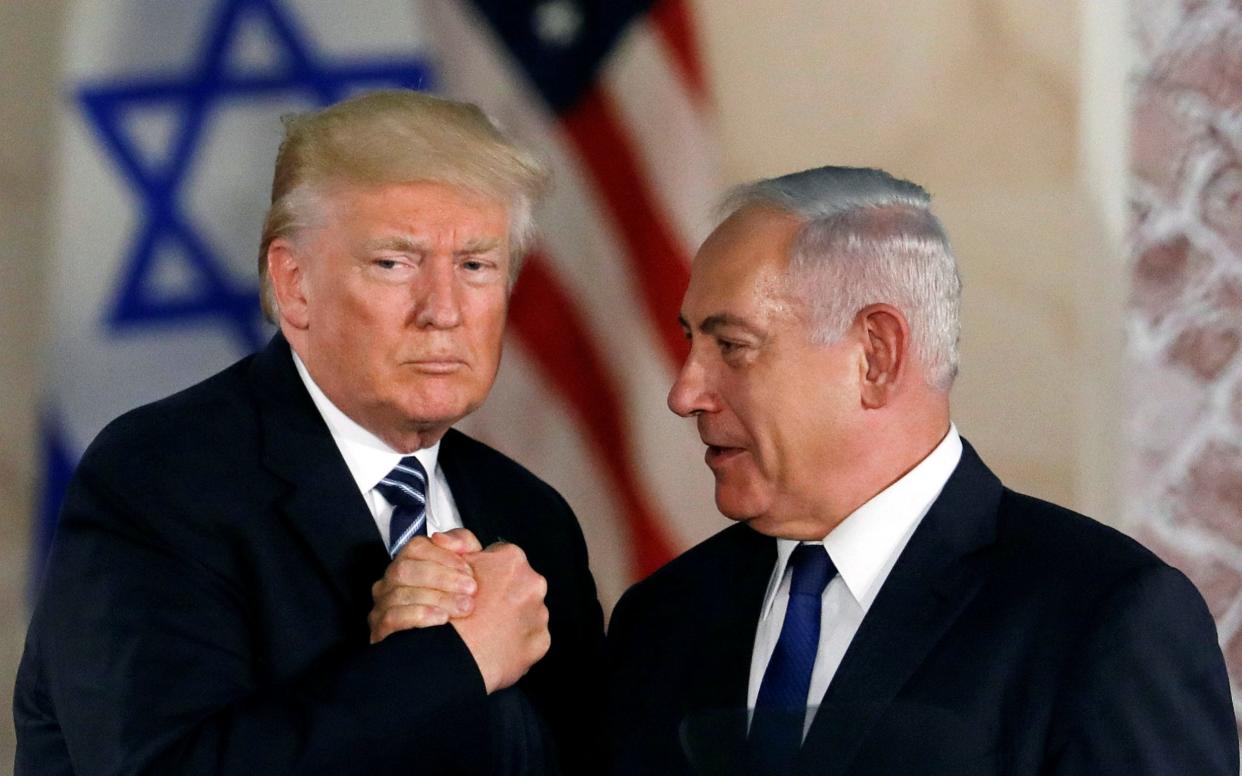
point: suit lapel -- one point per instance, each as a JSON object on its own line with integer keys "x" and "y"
{"x": 322, "y": 504}
{"x": 935, "y": 577}
{"x": 715, "y": 727}
{"x": 466, "y": 482}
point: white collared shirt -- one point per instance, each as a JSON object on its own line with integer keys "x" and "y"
{"x": 864, "y": 548}
{"x": 370, "y": 459}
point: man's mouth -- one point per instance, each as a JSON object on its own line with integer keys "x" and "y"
{"x": 437, "y": 366}
{"x": 718, "y": 455}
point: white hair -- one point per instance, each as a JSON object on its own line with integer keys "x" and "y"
{"x": 867, "y": 238}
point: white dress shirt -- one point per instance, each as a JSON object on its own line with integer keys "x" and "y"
{"x": 864, "y": 548}
{"x": 370, "y": 459}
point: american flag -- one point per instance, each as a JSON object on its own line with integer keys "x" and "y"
{"x": 168, "y": 132}
{"x": 612, "y": 93}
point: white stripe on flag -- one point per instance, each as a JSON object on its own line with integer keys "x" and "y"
{"x": 672, "y": 141}
{"x": 583, "y": 248}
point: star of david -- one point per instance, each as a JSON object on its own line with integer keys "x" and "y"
{"x": 216, "y": 298}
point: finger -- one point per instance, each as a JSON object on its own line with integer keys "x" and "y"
{"x": 543, "y": 643}
{"x": 422, "y": 548}
{"x": 423, "y": 573}
{"x": 458, "y": 540}
{"x": 504, "y": 549}
{"x": 404, "y": 618}
{"x": 500, "y": 546}
{"x": 453, "y": 603}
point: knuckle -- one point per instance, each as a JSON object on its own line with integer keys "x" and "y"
{"x": 512, "y": 552}
{"x": 427, "y": 598}
{"x": 416, "y": 548}
{"x": 390, "y": 620}
{"x": 466, "y": 536}
{"x": 417, "y": 615}
{"x": 423, "y": 615}
{"x": 405, "y": 572}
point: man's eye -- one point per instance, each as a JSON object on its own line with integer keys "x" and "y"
{"x": 483, "y": 264}
{"x": 387, "y": 263}
{"x": 727, "y": 347}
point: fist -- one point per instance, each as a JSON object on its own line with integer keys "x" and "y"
{"x": 507, "y": 631}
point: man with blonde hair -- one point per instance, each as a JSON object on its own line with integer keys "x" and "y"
{"x": 228, "y": 590}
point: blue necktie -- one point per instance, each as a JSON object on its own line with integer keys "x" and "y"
{"x": 405, "y": 487}
{"x": 780, "y": 709}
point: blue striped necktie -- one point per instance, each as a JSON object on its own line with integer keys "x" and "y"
{"x": 780, "y": 709}
{"x": 405, "y": 487}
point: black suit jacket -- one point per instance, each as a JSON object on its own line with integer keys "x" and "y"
{"x": 1012, "y": 637}
{"x": 204, "y": 607}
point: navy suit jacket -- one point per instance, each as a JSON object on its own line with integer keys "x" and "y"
{"x": 1012, "y": 637}
{"x": 204, "y": 607}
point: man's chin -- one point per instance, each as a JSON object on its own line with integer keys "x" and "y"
{"x": 762, "y": 524}
{"x": 737, "y": 509}
{"x": 761, "y": 520}
{"x": 432, "y": 412}
{"x": 413, "y": 427}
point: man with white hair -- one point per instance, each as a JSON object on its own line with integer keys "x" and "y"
{"x": 228, "y": 587}
{"x": 884, "y": 604}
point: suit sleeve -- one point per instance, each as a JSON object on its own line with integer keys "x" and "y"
{"x": 1148, "y": 693}
{"x": 145, "y": 653}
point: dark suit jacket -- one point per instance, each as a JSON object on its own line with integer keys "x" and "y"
{"x": 204, "y": 608}
{"x": 1012, "y": 637}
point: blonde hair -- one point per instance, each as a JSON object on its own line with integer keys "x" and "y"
{"x": 398, "y": 136}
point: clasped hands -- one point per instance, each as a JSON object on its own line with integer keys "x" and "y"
{"x": 492, "y": 597}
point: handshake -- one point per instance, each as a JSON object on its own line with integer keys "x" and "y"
{"x": 492, "y": 597}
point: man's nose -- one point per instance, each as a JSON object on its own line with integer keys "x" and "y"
{"x": 438, "y": 303}
{"x": 690, "y": 393}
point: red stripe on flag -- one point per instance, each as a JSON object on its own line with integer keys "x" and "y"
{"x": 547, "y": 321}
{"x": 673, "y": 21}
{"x": 660, "y": 269}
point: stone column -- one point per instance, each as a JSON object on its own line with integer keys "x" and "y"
{"x": 1185, "y": 314}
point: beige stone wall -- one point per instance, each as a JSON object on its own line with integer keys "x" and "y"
{"x": 1185, "y": 305}
{"x": 976, "y": 99}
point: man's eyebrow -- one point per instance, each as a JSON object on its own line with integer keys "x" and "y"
{"x": 479, "y": 245}
{"x": 713, "y": 323}
{"x": 406, "y": 244}
{"x": 399, "y": 243}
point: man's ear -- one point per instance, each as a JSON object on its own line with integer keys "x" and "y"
{"x": 285, "y": 270}
{"x": 886, "y": 343}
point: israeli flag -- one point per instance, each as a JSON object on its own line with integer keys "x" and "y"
{"x": 166, "y": 140}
